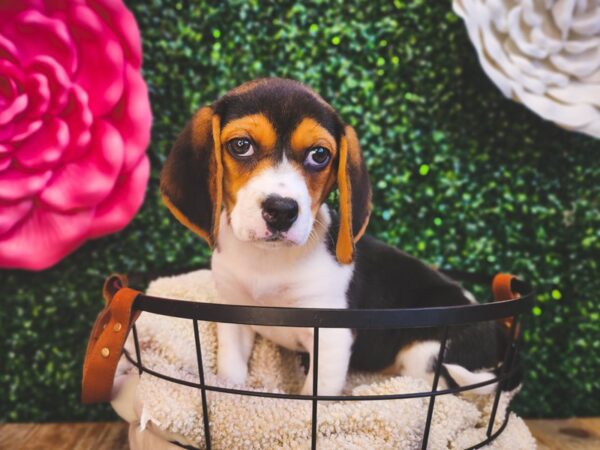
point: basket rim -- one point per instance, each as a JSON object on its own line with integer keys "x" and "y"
{"x": 387, "y": 318}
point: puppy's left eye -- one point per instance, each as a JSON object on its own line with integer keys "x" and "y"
{"x": 240, "y": 147}
{"x": 316, "y": 158}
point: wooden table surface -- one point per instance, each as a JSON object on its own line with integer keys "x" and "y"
{"x": 566, "y": 434}
{"x": 64, "y": 436}
{"x": 558, "y": 434}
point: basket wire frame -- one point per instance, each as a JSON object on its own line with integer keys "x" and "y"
{"x": 510, "y": 308}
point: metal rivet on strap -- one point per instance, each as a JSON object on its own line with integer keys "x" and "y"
{"x": 117, "y": 327}
{"x": 105, "y": 352}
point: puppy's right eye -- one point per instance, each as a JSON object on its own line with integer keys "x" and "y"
{"x": 240, "y": 147}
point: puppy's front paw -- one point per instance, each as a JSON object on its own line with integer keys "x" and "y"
{"x": 234, "y": 372}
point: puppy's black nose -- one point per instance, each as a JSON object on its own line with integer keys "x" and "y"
{"x": 279, "y": 212}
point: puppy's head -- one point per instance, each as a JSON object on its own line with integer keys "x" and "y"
{"x": 269, "y": 152}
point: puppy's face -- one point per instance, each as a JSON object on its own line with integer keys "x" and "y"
{"x": 269, "y": 153}
{"x": 280, "y": 144}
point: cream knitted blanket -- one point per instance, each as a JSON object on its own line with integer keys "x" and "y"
{"x": 159, "y": 411}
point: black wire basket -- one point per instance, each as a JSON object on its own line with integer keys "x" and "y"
{"x": 435, "y": 317}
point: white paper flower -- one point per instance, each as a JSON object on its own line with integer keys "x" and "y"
{"x": 543, "y": 53}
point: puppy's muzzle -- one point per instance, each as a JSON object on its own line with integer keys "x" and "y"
{"x": 279, "y": 213}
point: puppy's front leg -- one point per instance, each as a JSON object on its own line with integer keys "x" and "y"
{"x": 335, "y": 345}
{"x": 234, "y": 344}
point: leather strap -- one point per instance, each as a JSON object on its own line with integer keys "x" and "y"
{"x": 107, "y": 340}
{"x": 502, "y": 290}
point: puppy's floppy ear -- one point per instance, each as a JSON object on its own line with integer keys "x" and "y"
{"x": 192, "y": 177}
{"x": 355, "y": 196}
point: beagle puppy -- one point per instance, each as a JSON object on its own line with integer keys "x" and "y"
{"x": 250, "y": 174}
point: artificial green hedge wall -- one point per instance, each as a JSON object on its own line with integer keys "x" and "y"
{"x": 462, "y": 178}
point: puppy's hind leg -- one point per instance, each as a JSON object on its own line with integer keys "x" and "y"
{"x": 335, "y": 346}
{"x": 234, "y": 345}
{"x": 418, "y": 360}
{"x": 463, "y": 377}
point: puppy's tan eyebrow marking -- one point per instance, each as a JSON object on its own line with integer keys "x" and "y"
{"x": 255, "y": 126}
{"x": 310, "y": 133}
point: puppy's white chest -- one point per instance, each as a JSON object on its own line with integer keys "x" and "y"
{"x": 260, "y": 278}
{"x": 269, "y": 292}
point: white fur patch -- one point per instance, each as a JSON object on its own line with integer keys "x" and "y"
{"x": 469, "y": 295}
{"x": 417, "y": 360}
{"x": 305, "y": 276}
{"x": 464, "y": 377}
{"x": 284, "y": 180}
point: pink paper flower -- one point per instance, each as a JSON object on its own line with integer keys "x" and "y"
{"x": 74, "y": 126}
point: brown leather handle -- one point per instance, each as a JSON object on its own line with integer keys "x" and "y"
{"x": 502, "y": 287}
{"x": 107, "y": 339}
{"x": 502, "y": 290}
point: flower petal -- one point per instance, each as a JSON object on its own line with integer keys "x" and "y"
{"x": 8, "y": 89}
{"x": 587, "y": 24}
{"x": 12, "y": 214}
{"x": 90, "y": 180}
{"x": 571, "y": 115}
{"x": 579, "y": 65}
{"x": 17, "y": 106}
{"x": 25, "y": 129}
{"x": 11, "y": 70}
{"x": 97, "y": 47}
{"x": 122, "y": 22}
{"x": 51, "y": 38}
{"x": 115, "y": 212}
{"x": 12, "y": 100}
{"x": 16, "y": 185}
{"x": 8, "y": 50}
{"x": 7, "y": 131}
{"x": 576, "y": 93}
{"x": 133, "y": 117}
{"x": 44, "y": 147}
{"x": 43, "y": 239}
{"x": 5, "y": 160}
{"x": 38, "y": 92}
{"x": 79, "y": 118}
{"x": 58, "y": 81}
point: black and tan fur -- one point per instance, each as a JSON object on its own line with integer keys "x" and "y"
{"x": 284, "y": 119}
